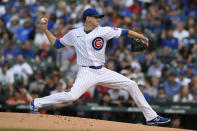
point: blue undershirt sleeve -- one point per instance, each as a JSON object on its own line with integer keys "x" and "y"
{"x": 58, "y": 44}
{"x": 124, "y": 32}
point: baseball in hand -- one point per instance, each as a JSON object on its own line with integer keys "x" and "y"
{"x": 43, "y": 21}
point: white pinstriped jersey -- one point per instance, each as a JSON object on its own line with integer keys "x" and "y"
{"x": 90, "y": 48}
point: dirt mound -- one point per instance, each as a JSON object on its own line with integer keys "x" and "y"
{"x": 38, "y": 121}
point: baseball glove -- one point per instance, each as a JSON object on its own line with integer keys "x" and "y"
{"x": 139, "y": 45}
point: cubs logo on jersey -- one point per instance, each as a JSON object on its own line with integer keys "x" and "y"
{"x": 98, "y": 43}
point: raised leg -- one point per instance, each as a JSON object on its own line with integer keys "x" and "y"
{"x": 115, "y": 80}
{"x": 85, "y": 79}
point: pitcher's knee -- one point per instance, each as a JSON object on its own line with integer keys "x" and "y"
{"x": 74, "y": 96}
{"x": 131, "y": 84}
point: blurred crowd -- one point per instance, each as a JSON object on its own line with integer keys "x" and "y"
{"x": 166, "y": 72}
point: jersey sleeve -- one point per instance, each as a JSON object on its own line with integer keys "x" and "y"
{"x": 112, "y": 32}
{"x": 67, "y": 39}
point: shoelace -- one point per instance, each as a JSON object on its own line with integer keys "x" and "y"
{"x": 157, "y": 119}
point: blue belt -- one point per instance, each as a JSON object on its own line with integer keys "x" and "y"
{"x": 94, "y": 67}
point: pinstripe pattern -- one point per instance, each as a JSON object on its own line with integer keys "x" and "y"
{"x": 87, "y": 77}
{"x": 86, "y": 54}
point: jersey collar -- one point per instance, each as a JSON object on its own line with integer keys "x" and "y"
{"x": 87, "y": 31}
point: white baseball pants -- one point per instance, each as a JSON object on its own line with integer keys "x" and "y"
{"x": 88, "y": 77}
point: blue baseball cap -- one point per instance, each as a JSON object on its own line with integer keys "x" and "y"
{"x": 91, "y": 12}
{"x": 182, "y": 72}
{"x": 160, "y": 85}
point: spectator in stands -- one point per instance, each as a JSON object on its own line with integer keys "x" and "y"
{"x": 176, "y": 122}
{"x": 106, "y": 100}
{"x": 87, "y": 95}
{"x": 136, "y": 70}
{"x": 181, "y": 66}
{"x": 161, "y": 96}
{"x": 183, "y": 95}
{"x": 61, "y": 86}
{"x": 111, "y": 65}
{"x": 61, "y": 5}
{"x": 135, "y": 7}
{"x": 170, "y": 41}
{"x": 39, "y": 90}
{"x": 67, "y": 16}
{"x": 21, "y": 97}
{"x": 72, "y": 9}
{"x": 49, "y": 7}
{"x": 190, "y": 23}
{"x": 37, "y": 77}
{"x": 24, "y": 33}
{"x": 127, "y": 72}
{"x": 6, "y": 80}
{"x": 171, "y": 86}
{"x": 8, "y": 14}
{"x": 147, "y": 62}
{"x": 156, "y": 68}
{"x": 116, "y": 93}
{"x": 10, "y": 52}
{"x": 14, "y": 24}
{"x": 157, "y": 27}
{"x": 191, "y": 39}
{"x": 57, "y": 76}
{"x": 63, "y": 56}
{"x": 165, "y": 57}
{"x": 73, "y": 66}
{"x": 99, "y": 91}
{"x": 151, "y": 88}
{"x": 130, "y": 103}
{"x": 125, "y": 12}
{"x": 141, "y": 86}
{"x": 27, "y": 52}
{"x": 182, "y": 79}
{"x": 190, "y": 11}
{"x": 45, "y": 53}
{"x": 49, "y": 86}
{"x": 165, "y": 74}
{"x": 22, "y": 69}
{"x": 186, "y": 53}
{"x": 190, "y": 70}
{"x": 175, "y": 16}
{"x": 41, "y": 12}
{"x": 180, "y": 33}
{"x": 5, "y": 34}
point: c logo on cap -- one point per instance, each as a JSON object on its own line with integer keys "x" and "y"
{"x": 98, "y": 43}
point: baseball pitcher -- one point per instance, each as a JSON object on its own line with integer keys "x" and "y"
{"x": 90, "y": 42}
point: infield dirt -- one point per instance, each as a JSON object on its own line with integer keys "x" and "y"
{"x": 39, "y": 121}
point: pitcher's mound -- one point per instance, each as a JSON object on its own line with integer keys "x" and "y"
{"x": 38, "y": 121}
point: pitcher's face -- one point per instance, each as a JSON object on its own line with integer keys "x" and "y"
{"x": 94, "y": 21}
